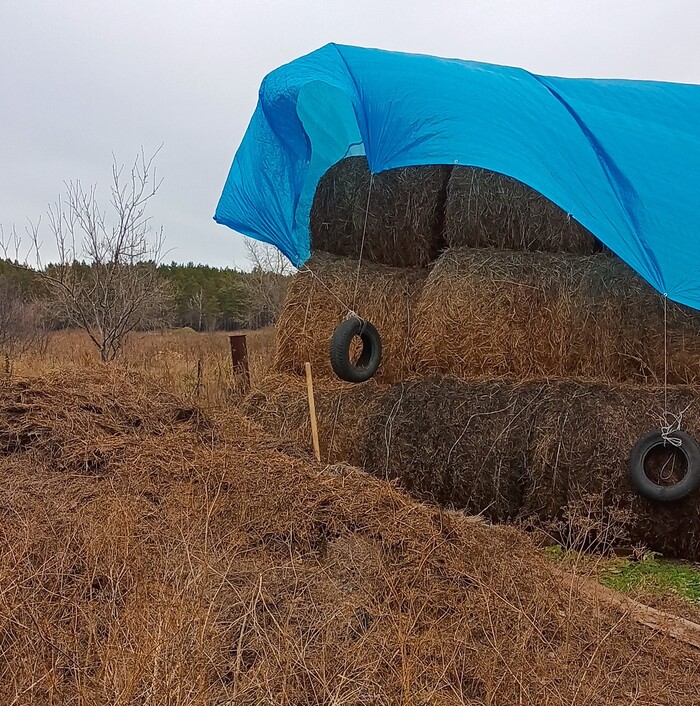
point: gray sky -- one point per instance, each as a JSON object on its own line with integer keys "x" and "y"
{"x": 81, "y": 79}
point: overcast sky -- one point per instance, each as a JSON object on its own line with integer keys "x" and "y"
{"x": 82, "y": 79}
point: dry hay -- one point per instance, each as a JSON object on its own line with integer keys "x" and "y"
{"x": 206, "y": 567}
{"x": 279, "y": 405}
{"x": 555, "y": 451}
{"x": 486, "y": 209}
{"x": 318, "y": 301}
{"x": 404, "y": 220}
{"x": 528, "y": 315}
{"x": 578, "y": 467}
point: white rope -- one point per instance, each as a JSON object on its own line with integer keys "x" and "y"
{"x": 362, "y": 244}
{"x": 351, "y": 313}
{"x": 671, "y": 423}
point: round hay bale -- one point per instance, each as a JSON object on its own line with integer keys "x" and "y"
{"x": 529, "y": 315}
{"x": 461, "y": 444}
{"x": 485, "y": 209}
{"x": 578, "y": 467}
{"x": 318, "y": 301}
{"x": 404, "y": 220}
{"x": 343, "y": 412}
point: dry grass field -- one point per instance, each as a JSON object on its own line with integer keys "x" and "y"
{"x": 194, "y": 365}
{"x": 158, "y": 547}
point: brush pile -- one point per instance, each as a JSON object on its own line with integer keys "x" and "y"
{"x": 196, "y": 563}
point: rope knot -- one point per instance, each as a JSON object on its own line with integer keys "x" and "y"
{"x": 671, "y": 426}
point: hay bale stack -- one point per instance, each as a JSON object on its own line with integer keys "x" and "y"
{"x": 404, "y": 220}
{"x": 529, "y": 315}
{"x": 485, "y": 209}
{"x": 318, "y": 301}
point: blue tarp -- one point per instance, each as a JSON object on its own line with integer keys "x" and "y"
{"x": 622, "y": 157}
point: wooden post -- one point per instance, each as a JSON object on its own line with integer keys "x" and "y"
{"x": 239, "y": 360}
{"x": 312, "y": 411}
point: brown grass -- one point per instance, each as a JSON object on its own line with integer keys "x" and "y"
{"x": 404, "y": 220}
{"x": 386, "y": 296}
{"x": 489, "y": 210}
{"x": 196, "y": 564}
{"x": 196, "y": 366}
{"x": 528, "y": 315}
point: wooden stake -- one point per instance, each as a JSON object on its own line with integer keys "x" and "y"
{"x": 312, "y": 411}
{"x": 239, "y": 360}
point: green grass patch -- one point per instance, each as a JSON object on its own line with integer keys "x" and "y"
{"x": 654, "y": 576}
{"x": 649, "y": 575}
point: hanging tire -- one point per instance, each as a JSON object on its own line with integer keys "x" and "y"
{"x": 655, "y": 491}
{"x": 370, "y": 357}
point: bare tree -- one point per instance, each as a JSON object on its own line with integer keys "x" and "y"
{"x": 267, "y": 283}
{"x": 196, "y": 306}
{"x": 106, "y": 280}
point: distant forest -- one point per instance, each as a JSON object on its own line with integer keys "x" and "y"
{"x": 200, "y": 297}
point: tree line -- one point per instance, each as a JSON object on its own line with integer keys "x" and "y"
{"x": 200, "y": 297}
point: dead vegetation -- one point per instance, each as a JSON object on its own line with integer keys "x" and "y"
{"x": 196, "y": 563}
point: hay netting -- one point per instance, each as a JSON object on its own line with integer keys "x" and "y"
{"x": 461, "y": 445}
{"x": 485, "y": 209}
{"x": 404, "y": 221}
{"x": 528, "y": 315}
{"x": 316, "y": 303}
{"x": 212, "y": 568}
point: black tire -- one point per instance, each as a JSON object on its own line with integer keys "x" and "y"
{"x": 370, "y": 358}
{"x": 665, "y": 493}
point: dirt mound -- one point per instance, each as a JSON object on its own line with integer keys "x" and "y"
{"x": 205, "y": 567}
